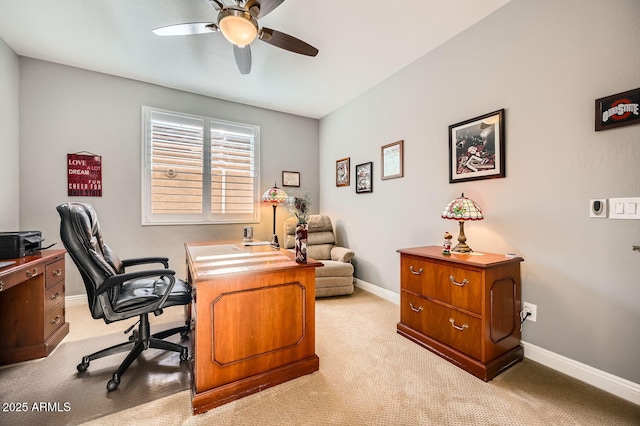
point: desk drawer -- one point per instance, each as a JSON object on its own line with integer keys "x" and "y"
{"x": 22, "y": 274}
{"x": 54, "y": 272}
{"x": 53, "y": 295}
{"x": 8, "y": 281}
{"x": 53, "y": 320}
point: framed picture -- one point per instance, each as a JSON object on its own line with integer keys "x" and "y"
{"x": 364, "y": 177}
{"x": 622, "y": 109}
{"x": 476, "y": 148}
{"x": 392, "y": 160}
{"x": 342, "y": 172}
{"x": 290, "y": 179}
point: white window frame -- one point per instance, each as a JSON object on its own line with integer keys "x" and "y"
{"x": 207, "y": 217}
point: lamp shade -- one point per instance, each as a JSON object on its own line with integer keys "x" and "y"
{"x": 462, "y": 208}
{"x": 274, "y": 195}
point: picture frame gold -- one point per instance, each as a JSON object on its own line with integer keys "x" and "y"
{"x": 392, "y": 160}
{"x": 343, "y": 177}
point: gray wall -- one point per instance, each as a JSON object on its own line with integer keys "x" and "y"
{"x": 65, "y": 110}
{"x": 9, "y": 141}
{"x": 545, "y": 62}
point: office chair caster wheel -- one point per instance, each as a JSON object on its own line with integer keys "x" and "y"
{"x": 184, "y": 354}
{"x": 112, "y": 385}
{"x": 82, "y": 367}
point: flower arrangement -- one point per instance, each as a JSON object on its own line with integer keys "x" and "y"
{"x": 299, "y": 206}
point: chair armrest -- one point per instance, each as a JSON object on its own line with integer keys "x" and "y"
{"x": 120, "y": 279}
{"x": 146, "y": 260}
{"x": 341, "y": 254}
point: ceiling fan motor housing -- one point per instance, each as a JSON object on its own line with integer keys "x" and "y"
{"x": 238, "y": 26}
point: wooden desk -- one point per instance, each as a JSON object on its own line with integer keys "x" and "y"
{"x": 32, "y": 309}
{"x": 254, "y": 320}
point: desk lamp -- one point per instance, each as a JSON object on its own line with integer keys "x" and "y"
{"x": 274, "y": 196}
{"x": 462, "y": 209}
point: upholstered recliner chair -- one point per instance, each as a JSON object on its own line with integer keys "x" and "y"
{"x": 335, "y": 278}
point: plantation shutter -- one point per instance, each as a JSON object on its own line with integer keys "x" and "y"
{"x": 176, "y": 164}
{"x": 232, "y": 170}
{"x": 199, "y": 170}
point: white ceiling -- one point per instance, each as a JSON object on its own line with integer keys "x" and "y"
{"x": 361, "y": 43}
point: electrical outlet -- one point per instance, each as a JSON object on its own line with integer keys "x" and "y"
{"x": 530, "y": 308}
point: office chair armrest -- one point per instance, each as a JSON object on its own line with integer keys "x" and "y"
{"x": 120, "y": 279}
{"x": 146, "y": 260}
{"x": 111, "y": 315}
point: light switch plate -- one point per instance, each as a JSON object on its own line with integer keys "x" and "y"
{"x": 625, "y": 208}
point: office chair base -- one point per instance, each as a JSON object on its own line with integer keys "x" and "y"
{"x": 138, "y": 342}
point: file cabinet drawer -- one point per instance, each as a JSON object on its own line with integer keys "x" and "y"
{"x": 461, "y": 287}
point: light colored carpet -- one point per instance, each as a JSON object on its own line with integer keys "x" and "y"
{"x": 370, "y": 375}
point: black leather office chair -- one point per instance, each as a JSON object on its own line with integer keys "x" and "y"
{"x": 114, "y": 294}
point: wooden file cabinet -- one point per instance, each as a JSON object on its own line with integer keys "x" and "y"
{"x": 32, "y": 312}
{"x": 463, "y": 307}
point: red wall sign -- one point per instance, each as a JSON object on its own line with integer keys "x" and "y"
{"x": 84, "y": 175}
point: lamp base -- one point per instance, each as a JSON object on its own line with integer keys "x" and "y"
{"x": 461, "y": 248}
{"x": 274, "y": 242}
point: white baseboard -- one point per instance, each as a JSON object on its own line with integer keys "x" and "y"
{"x": 79, "y": 299}
{"x": 378, "y": 291}
{"x": 614, "y": 385}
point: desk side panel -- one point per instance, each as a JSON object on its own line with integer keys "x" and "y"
{"x": 249, "y": 324}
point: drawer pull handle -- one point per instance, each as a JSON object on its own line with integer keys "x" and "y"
{"x": 414, "y": 309}
{"x": 457, "y": 327}
{"x": 418, "y": 272}
{"x": 56, "y": 319}
{"x": 57, "y": 272}
{"x": 1, "y": 285}
{"x": 55, "y": 296}
{"x": 453, "y": 280}
{"x": 32, "y": 274}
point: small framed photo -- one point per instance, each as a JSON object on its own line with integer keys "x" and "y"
{"x": 342, "y": 172}
{"x": 364, "y": 177}
{"x": 290, "y": 178}
{"x": 476, "y": 148}
{"x": 622, "y": 109}
{"x": 392, "y": 160}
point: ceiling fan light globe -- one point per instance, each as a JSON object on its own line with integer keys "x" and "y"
{"x": 239, "y": 30}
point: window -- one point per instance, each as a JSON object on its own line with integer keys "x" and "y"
{"x": 198, "y": 170}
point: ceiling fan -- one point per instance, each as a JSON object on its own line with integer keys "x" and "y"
{"x": 239, "y": 24}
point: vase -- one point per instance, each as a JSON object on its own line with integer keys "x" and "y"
{"x": 302, "y": 232}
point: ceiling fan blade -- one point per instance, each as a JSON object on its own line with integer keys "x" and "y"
{"x": 266, "y": 6}
{"x": 243, "y": 58}
{"x": 286, "y": 42}
{"x": 186, "y": 29}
